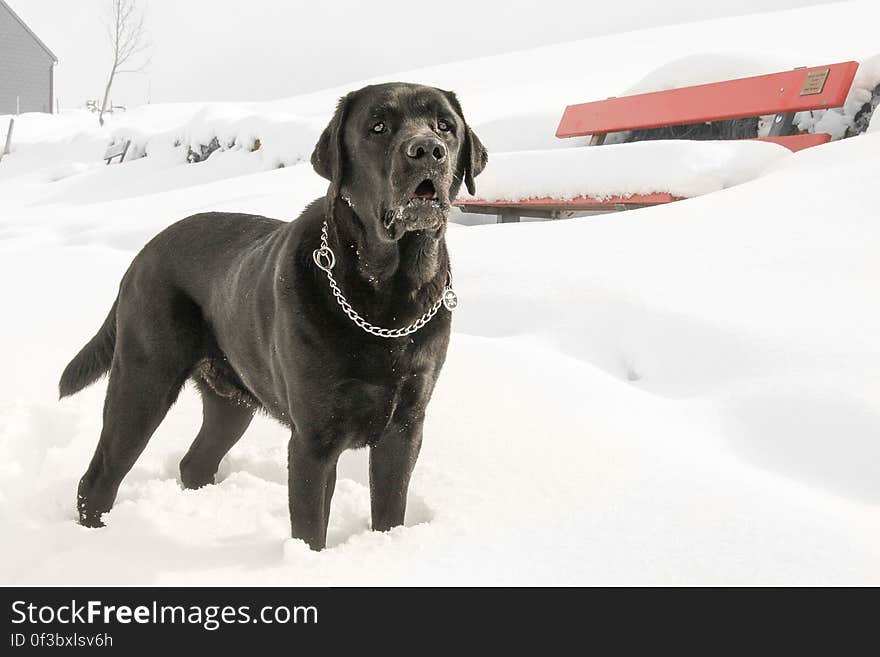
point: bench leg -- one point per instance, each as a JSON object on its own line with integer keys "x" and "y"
{"x": 508, "y": 217}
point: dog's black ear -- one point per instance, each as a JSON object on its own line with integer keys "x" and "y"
{"x": 478, "y": 158}
{"x": 327, "y": 158}
{"x": 474, "y": 155}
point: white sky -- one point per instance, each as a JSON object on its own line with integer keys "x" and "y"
{"x": 209, "y": 49}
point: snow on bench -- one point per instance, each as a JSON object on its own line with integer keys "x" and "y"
{"x": 586, "y": 180}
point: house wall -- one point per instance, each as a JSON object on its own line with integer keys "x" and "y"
{"x": 25, "y": 69}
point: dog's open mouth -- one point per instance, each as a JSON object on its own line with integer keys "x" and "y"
{"x": 425, "y": 190}
{"x": 424, "y": 196}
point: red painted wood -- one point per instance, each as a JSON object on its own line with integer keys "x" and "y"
{"x": 578, "y": 203}
{"x": 732, "y": 99}
{"x": 796, "y": 143}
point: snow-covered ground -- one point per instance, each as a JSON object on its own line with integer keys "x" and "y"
{"x": 686, "y": 394}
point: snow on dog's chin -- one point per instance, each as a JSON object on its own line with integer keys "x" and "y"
{"x": 416, "y": 214}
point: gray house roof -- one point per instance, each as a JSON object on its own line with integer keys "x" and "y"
{"x": 29, "y": 31}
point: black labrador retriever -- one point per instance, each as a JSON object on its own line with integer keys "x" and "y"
{"x": 335, "y": 324}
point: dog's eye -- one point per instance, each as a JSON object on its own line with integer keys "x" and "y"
{"x": 378, "y": 128}
{"x": 443, "y": 126}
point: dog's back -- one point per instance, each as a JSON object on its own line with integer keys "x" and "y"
{"x": 199, "y": 248}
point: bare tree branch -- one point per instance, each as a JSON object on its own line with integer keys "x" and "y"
{"x": 128, "y": 38}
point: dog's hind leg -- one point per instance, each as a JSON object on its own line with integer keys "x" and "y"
{"x": 154, "y": 355}
{"x": 224, "y": 421}
{"x": 137, "y": 401}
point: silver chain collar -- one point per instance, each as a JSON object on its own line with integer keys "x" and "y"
{"x": 325, "y": 260}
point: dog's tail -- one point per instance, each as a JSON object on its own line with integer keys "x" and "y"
{"x": 93, "y": 360}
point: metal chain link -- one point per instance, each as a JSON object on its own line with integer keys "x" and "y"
{"x": 325, "y": 259}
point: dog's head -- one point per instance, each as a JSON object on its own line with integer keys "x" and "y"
{"x": 397, "y": 154}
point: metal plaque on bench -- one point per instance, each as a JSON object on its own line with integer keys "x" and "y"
{"x": 815, "y": 82}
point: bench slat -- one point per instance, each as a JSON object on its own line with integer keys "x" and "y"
{"x": 734, "y": 99}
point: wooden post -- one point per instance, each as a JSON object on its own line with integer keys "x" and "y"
{"x": 7, "y": 149}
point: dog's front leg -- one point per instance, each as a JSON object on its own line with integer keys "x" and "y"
{"x": 311, "y": 480}
{"x": 392, "y": 460}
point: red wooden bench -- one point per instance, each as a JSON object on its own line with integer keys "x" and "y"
{"x": 779, "y": 94}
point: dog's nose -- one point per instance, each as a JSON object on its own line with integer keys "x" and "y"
{"x": 426, "y": 147}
